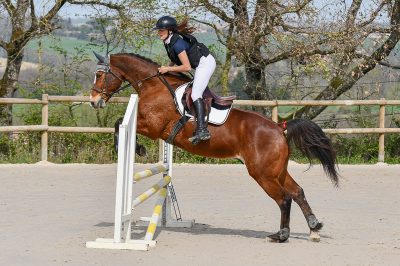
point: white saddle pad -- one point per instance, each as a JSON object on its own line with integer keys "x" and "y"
{"x": 217, "y": 117}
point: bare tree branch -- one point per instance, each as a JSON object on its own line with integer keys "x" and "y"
{"x": 34, "y": 20}
{"x": 51, "y": 13}
{"x": 352, "y": 13}
{"x": 216, "y": 11}
{"x": 374, "y": 14}
{"x": 291, "y": 8}
{"x": 389, "y": 65}
{"x": 286, "y": 27}
{"x": 306, "y": 52}
{"x": 218, "y": 32}
{"x": 8, "y": 6}
{"x": 109, "y": 5}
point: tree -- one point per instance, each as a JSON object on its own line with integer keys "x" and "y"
{"x": 262, "y": 33}
{"x": 25, "y": 25}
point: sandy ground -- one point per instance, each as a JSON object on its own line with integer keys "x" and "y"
{"x": 48, "y": 212}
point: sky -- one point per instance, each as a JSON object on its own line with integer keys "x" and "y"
{"x": 42, "y": 6}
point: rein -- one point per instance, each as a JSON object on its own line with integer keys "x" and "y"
{"x": 104, "y": 67}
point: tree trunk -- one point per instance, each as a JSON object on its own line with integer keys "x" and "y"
{"x": 255, "y": 86}
{"x": 8, "y": 84}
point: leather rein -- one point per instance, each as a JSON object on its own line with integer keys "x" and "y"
{"x": 105, "y": 67}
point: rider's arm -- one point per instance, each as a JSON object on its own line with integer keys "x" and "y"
{"x": 182, "y": 68}
{"x": 185, "y": 67}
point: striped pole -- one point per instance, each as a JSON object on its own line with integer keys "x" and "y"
{"x": 150, "y": 172}
{"x": 148, "y": 193}
{"x": 156, "y": 215}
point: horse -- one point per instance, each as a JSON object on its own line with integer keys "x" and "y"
{"x": 261, "y": 144}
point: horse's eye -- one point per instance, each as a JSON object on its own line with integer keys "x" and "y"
{"x": 98, "y": 75}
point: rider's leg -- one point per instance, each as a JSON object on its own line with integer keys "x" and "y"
{"x": 201, "y": 78}
{"x": 201, "y": 129}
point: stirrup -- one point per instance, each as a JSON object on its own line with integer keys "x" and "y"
{"x": 205, "y": 136}
{"x": 198, "y": 137}
{"x": 194, "y": 140}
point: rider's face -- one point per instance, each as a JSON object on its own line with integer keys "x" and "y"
{"x": 163, "y": 34}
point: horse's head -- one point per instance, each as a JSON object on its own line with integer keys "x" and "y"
{"x": 106, "y": 82}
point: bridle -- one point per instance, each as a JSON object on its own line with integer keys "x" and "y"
{"x": 105, "y": 68}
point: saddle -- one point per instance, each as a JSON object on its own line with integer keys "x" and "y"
{"x": 210, "y": 99}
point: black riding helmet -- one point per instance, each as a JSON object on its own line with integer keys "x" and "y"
{"x": 166, "y": 23}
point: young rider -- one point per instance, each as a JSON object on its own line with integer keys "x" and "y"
{"x": 186, "y": 53}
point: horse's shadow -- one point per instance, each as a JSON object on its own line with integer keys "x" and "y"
{"x": 206, "y": 229}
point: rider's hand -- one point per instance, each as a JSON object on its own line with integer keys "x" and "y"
{"x": 163, "y": 69}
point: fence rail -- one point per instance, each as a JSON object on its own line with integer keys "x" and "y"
{"x": 46, "y": 99}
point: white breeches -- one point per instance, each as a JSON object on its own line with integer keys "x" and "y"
{"x": 202, "y": 76}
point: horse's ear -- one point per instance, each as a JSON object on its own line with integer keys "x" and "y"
{"x": 99, "y": 57}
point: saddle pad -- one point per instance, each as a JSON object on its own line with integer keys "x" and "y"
{"x": 217, "y": 117}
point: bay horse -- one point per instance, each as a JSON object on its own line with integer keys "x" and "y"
{"x": 261, "y": 144}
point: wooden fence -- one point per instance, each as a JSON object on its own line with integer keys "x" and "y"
{"x": 46, "y": 99}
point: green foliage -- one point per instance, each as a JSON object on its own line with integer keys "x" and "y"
{"x": 20, "y": 148}
{"x": 359, "y": 149}
{"x": 81, "y": 148}
{"x": 356, "y": 149}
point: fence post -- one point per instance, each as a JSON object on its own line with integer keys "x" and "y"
{"x": 45, "y": 122}
{"x": 381, "y": 154}
{"x": 274, "y": 113}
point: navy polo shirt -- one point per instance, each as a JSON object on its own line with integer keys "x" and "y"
{"x": 180, "y": 46}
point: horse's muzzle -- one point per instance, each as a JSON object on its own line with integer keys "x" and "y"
{"x": 98, "y": 103}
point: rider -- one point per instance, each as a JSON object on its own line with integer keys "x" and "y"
{"x": 186, "y": 53}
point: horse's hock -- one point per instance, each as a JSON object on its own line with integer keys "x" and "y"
{"x": 124, "y": 202}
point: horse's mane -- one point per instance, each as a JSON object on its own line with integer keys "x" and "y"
{"x": 148, "y": 60}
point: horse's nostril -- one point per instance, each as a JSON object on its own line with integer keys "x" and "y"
{"x": 92, "y": 104}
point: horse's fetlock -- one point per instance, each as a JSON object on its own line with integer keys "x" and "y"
{"x": 312, "y": 221}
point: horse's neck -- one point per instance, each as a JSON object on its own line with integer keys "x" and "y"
{"x": 134, "y": 69}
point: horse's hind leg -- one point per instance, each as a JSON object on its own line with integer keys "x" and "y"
{"x": 297, "y": 193}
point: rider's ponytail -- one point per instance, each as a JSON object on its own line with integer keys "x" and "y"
{"x": 184, "y": 27}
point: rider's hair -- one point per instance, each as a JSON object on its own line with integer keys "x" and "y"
{"x": 184, "y": 27}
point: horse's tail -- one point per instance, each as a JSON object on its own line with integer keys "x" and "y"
{"x": 309, "y": 138}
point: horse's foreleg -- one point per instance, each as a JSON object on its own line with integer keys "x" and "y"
{"x": 299, "y": 197}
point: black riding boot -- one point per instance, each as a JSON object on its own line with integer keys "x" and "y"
{"x": 201, "y": 132}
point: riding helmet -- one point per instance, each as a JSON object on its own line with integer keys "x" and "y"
{"x": 166, "y": 23}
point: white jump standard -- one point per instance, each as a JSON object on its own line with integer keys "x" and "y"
{"x": 124, "y": 203}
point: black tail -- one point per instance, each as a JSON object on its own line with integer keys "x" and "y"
{"x": 309, "y": 138}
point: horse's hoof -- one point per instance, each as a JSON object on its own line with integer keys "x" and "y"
{"x": 281, "y": 236}
{"x": 314, "y": 236}
{"x": 318, "y": 227}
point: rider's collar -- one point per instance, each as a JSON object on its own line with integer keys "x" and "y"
{"x": 168, "y": 40}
